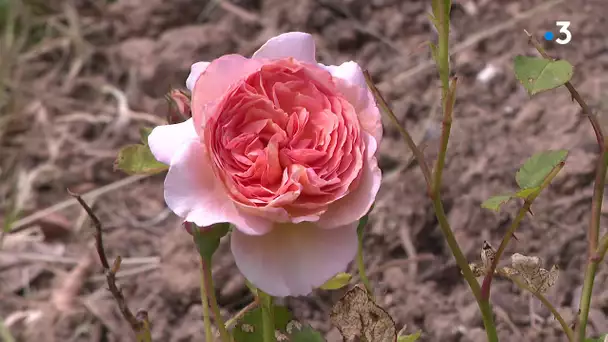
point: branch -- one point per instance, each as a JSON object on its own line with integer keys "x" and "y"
{"x": 596, "y": 202}
{"x": 139, "y": 323}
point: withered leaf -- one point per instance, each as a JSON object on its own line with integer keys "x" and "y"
{"x": 488, "y": 254}
{"x": 537, "y": 278}
{"x": 478, "y": 270}
{"x": 358, "y": 318}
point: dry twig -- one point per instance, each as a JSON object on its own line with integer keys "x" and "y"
{"x": 139, "y": 323}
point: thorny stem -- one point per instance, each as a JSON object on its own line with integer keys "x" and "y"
{"x": 596, "y": 256}
{"x": 596, "y": 202}
{"x": 567, "y": 330}
{"x": 445, "y": 137}
{"x": 139, "y": 324}
{"x": 424, "y": 167}
{"x": 594, "y": 225}
{"x": 209, "y": 290}
{"x": 461, "y": 260}
{"x": 434, "y": 188}
{"x": 443, "y": 54}
{"x": 205, "y": 302}
{"x": 487, "y": 281}
{"x": 448, "y": 99}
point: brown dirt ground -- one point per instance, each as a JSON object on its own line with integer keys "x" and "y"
{"x": 102, "y": 70}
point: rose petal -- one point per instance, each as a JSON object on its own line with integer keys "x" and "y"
{"x": 217, "y": 79}
{"x": 359, "y": 95}
{"x": 293, "y": 259}
{"x": 357, "y": 203}
{"x": 165, "y": 140}
{"x": 298, "y": 45}
{"x": 193, "y": 192}
{"x": 195, "y": 71}
{"x": 348, "y": 71}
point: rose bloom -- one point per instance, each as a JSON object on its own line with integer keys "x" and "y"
{"x": 283, "y": 148}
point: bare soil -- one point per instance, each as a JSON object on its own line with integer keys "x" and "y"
{"x": 102, "y": 71}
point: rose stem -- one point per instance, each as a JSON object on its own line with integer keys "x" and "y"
{"x": 487, "y": 280}
{"x": 267, "y": 317}
{"x": 205, "y": 303}
{"x": 360, "y": 261}
{"x": 596, "y": 202}
{"x": 208, "y": 290}
{"x": 448, "y": 100}
{"x": 567, "y": 330}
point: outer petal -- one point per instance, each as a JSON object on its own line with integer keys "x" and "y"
{"x": 164, "y": 141}
{"x": 298, "y": 45}
{"x": 195, "y": 71}
{"x": 216, "y": 80}
{"x": 293, "y": 259}
{"x": 354, "y": 87}
{"x": 357, "y": 203}
{"x": 193, "y": 192}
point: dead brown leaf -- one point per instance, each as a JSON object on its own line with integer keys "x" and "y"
{"x": 358, "y": 318}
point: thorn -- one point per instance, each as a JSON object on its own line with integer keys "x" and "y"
{"x": 514, "y": 236}
{"x": 486, "y": 245}
{"x": 530, "y": 211}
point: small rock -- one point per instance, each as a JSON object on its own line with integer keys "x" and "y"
{"x": 487, "y": 74}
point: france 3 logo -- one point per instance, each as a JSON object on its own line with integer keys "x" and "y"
{"x": 564, "y": 37}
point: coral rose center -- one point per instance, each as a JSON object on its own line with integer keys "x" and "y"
{"x": 285, "y": 138}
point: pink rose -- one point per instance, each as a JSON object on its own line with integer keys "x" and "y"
{"x": 283, "y": 148}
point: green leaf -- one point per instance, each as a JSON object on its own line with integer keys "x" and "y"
{"x": 602, "y": 338}
{"x": 409, "y": 338}
{"x": 249, "y": 328}
{"x": 304, "y": 334}
{"x": 539, "y": 74}
{"x": 525, "y": 193}
{"x": 337, "y": 282}
{"x": 538, "y": 167}
{"x": 495, "y": 202}
{"x": 207, "y": 239}
{"x": 138, "y": 159}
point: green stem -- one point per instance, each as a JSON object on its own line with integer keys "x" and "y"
{"x": 585, "y": 303}
{"x": 461, "y": 260}
{"x": 267, "y": 317}
{"x": 443, "y": 55}
{"x": 596, "y": 204}
{"x": 445, "y": 138}
{"x": 487, "y": 281}
{"x": 448, "y": 100}
{"x": 360, "y": 261}
{"x": 362, "y": 272}
{"x": 5, "y": 333}
{"x": 205, "y": 303}
{"x": 215, "y": 309}
{"x": 565, "y": 327}
{"x": 595, "y": 257}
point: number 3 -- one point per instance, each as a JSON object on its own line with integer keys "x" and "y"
{"x": 563, "y": 25}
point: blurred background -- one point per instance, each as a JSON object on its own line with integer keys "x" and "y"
{"x": 79, "y": 78}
